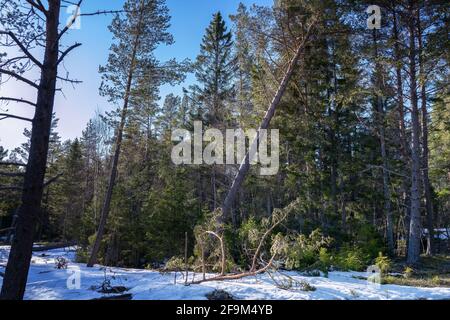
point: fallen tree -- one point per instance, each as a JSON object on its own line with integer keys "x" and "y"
{"x": 278, "y": 217}
{"x": 53, "y": 246}
{"x": 245, "y": 165}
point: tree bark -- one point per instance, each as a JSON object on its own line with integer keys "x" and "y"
{"x": 415, "y": 219}
{"x": 16, "y": 274}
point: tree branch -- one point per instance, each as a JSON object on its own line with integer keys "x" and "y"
{"x": 18, "y": 100}
{"x": 222, "y": 249}
{"x": 20, "y": 78}
{"x": 22, "y": 47}
{"x": 37, "y": 5}
{"x": 66, "y": 52}
{"x": 6, "y": 116}
{"x": 74, "y": 18}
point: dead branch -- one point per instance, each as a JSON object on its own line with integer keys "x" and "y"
{"x": 261, "y": 243}
{"x": 238, "y": 275}
{"x": 20, "y": 78}
{"x": 281, "y": 216}
{"x": 222, "y": 248}
{"x": 22, "y": 47}
{"x": 71, "y": 22}
{"x": 18, "y": 100}
{"x": 67, "y": 51}
{"x": 6, "y": 116}
{"x": 71, "y": 81}
{"x": 37, "y": 5}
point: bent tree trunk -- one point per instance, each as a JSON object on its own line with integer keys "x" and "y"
{"x": 16, "y": 272}
{"x": 112, "y": 179}
{"x": 245, "y": 165}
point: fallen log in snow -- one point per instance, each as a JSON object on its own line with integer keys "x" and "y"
{"x": 54, "y": 246}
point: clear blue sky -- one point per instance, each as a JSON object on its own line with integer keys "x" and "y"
{"x": 77, "y": 105}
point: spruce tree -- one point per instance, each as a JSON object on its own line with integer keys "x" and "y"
{"x": 215, "y": 70}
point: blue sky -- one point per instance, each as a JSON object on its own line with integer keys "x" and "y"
{"x": 76, "y": 105}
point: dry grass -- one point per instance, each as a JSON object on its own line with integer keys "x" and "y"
{"x": 429, "y": 272}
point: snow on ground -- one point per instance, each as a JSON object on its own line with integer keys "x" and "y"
{"x": 45, "y": 282}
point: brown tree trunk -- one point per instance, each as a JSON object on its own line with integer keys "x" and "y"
{"x": 16, "y": 274}
{"x": 415, "y": 219}
{"x": 425, "y": 149}
{"x": 112, "y": 178}
{"x": 380, "y": 119}
{"x": 401, "y": 118}
{"x": 245, "y": 165}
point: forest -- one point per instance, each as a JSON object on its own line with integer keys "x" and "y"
{"x": 358, "y": 90}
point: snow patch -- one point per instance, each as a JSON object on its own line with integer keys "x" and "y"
{"x": 45, "y": 282}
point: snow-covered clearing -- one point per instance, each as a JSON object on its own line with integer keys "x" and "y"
{"x": 45, "y": 282}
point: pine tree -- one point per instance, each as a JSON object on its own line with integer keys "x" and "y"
{"x": 130, "y": 62}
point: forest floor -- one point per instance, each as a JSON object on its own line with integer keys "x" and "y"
{"x": 429, "y": 272}
{"x": 46, "y": 282}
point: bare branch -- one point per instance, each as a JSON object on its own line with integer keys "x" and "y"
{"x": 101, "y": 12}
{"x": 74, "y": 18}
{"x": 66, "y": 52}
{"x": 6, "y": 116}
{"x": 22, "y": 47}
{"x": 72, "y": 81}
{"x": 20, "y": 78}
{"x": 37, "y": 5}
{"x": 222, "y": 248}
{"x": 18, "y": 100}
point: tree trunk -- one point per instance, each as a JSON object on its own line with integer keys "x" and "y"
{"x": 245, "y": 165}
{"x": 16, "y": 274}
{"x": 380, "y": 119}
{"x": 415, "y": 219}
{"x": 425, "y": 150}
{"x": 400, "y": 100}
{"x": 113, "y": 174}
{"x": 401, "y": 119}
